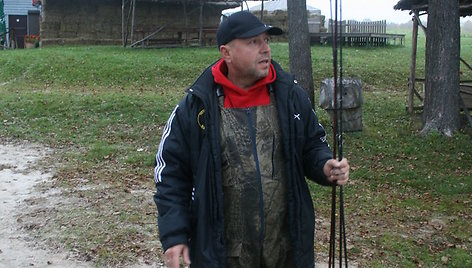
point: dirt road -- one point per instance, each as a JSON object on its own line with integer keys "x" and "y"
{"x": 21, "y": 169}
{"x": 19, "y": 174}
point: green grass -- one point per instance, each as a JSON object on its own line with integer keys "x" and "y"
{"x": 401, "y": 184}
{"x": 102, "y": 109}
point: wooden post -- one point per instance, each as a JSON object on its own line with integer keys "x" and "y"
{"x": 414, "y": 45}
{"x": 123, "y": 23}
{"x": 262, "y": 10}
{"x": 200, "y": 34}
{"x": 185, "y": 21}
{"x": 132, "y": 20}
{"x": 384, "y": 31}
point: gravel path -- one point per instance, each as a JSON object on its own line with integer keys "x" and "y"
{"x": 19, "y": 174}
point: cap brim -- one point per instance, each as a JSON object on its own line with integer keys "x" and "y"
{"x": 257, "y": 31}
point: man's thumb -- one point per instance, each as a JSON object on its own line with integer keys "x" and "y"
{"x": 186, "y": 256}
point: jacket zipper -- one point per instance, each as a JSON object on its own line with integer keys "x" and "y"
{"x": 256, "y": 158}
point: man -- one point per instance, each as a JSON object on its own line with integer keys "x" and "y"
{"x": 231, "y": 166}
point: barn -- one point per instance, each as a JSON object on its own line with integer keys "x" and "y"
{"x": 132, "y": 22}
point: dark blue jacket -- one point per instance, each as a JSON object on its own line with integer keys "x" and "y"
{"x": 188, "y": 171}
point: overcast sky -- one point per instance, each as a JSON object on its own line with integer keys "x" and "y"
{"x": 362, "y": 10}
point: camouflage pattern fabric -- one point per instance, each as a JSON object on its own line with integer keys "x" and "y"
{"x": 254, "y": 184}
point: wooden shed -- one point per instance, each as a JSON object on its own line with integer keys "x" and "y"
{"x": 419, "y": 8}
{"x": 114, "y": 21}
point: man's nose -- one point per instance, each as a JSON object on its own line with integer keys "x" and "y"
{"x": 265, "y": 47}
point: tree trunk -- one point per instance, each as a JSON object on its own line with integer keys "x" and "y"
{"x": 299, "y": 45}
{"x": 441, "y": 104}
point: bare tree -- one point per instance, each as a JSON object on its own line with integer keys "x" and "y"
{"x": 299, "y": 45}
{"x": 441, "y": 104}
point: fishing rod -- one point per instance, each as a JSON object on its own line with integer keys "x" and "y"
{"x": 338, "y": 140}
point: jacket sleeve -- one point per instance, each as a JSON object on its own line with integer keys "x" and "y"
{"x": 316, "y": 149}
{"x": 173, "y": 181}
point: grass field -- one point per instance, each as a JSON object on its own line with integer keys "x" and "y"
{"x": 102, "y": 110}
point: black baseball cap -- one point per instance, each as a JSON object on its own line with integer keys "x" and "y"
{"x": 242, "y": 24}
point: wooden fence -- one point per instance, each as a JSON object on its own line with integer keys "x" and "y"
{"x": 365, "y": 33}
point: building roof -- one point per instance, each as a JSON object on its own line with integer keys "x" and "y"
{"x": 422, "y": 6}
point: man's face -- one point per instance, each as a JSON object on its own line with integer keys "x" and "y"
{"x": 248, "y": 60}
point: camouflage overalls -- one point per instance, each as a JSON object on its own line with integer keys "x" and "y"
{"x": 254, "y": 184}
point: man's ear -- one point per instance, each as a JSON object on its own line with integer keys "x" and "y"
{"x": 225, "y": 51}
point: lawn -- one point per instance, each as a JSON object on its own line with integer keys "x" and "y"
{"x": 102, "y": 109}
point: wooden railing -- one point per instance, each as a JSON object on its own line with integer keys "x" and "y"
{"x": 365, "y": 33}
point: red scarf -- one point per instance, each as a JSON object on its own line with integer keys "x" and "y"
{"x": 236, "y": 97}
